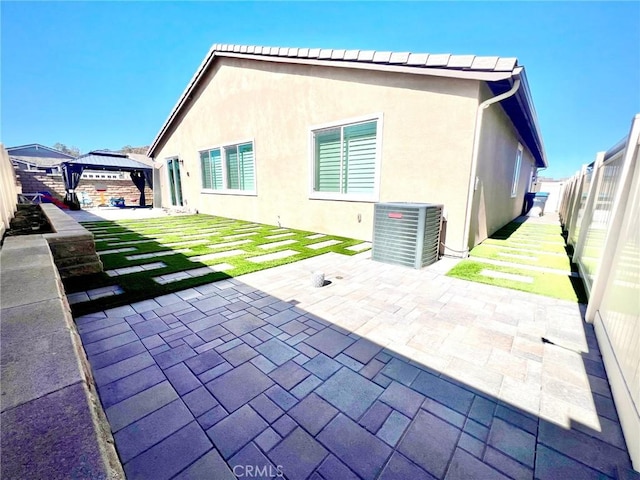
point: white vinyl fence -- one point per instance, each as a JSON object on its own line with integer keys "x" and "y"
{"x": 8, "y": 191}
{"x": 600, "y": 212}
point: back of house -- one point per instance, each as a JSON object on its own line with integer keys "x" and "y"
{"x": 312, "y": 139}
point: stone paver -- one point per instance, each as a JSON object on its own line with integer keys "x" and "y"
{"x": 387, "y": 373}
{"x": 142, "y": 256}
{"x": 96, "y": 293}
{"x": 240, "y": 235}
{"x": 300, "y": 452}
{"x": 228, "y": 244}
{"x": 329, "y": 341}
{"x": 280, "y": 235}
{"x": 506, "y": 276}
{"x": 135, "y": 269}
{"x": 239, "y": 386}
{"x": 117, "y": 250}
{"x": 328, "y": 243}
{"x": 273, "y": 256}
{"x": 359, "y": 247}
{"x": 356, "y": 447}
{"x": 215, "y": 256}
{"x": 349, "y": 392}
{"x": 193, "y": 273}
{"x": 235, "y": 431}
{"x": 313, "y": 413}
{"x": 277, "y": 351}
{"x": 267, "y": 246}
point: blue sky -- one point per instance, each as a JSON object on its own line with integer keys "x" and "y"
{"x": 106, "y": 74}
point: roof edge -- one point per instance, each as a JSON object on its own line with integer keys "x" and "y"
{"x": 445, "y": 65}
{"x": 38, "y": 146}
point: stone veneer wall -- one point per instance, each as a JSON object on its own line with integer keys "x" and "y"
{"x": 72, "y": 246}
{"x": 33, "y": 182}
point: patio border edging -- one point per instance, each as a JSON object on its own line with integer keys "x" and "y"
{"x": 72, "y": 246}
{"x": 53, "y": 423}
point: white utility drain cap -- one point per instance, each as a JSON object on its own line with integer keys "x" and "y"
{"x": 317, "y": 279}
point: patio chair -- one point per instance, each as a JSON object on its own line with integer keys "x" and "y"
{"x": 85, "y": 199}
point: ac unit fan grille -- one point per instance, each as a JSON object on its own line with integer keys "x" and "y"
{"x": 406, "y": 234}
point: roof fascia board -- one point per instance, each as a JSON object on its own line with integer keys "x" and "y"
{"x": 526, "y": 102}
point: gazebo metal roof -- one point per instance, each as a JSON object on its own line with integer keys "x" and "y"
{"x": 97, "y": 160}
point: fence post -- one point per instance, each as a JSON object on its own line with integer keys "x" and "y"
{"x": 568, "y": 200}
{"x": 575, "y": 203}
{"x": 603, "y": 269}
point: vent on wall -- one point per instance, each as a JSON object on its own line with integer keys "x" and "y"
{"x": 406, "y": 233}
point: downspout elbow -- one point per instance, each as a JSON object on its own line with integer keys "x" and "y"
{"x": 475, "y": 152}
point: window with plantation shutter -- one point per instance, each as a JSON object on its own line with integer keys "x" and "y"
{"x": 233, "y": 175}
{"x": 229, "y": 169}
{"x": 246, "y": 166}
{"x": 216, "y": 169}
{"x": 211, "y": 167}
{"x": 205, "y": 165}
{"x": 359, "y": 158}
{"x": 345, "y": 161}
{"x": 328, "y": 161}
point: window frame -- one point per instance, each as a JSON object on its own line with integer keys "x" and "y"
{"x": 371, "y": 197}
{"x": 516, "y": 171}
{"x": 225, "y": 190}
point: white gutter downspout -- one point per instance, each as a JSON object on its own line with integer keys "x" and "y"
{"x": 474, "y": 156}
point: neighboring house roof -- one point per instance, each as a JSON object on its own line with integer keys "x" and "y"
{"x": 38, "y": 155}
{"x": 499, "y": 72}
{"x": 97, "y": 160}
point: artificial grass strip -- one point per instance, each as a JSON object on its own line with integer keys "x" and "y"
{"x": 553, "y": 285}
{"x": 526, "y": 245}
{"x": 199, "y": 234}
{"x": 530, "y": 257}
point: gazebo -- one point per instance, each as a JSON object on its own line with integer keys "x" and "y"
{"x": 141, "y": 173}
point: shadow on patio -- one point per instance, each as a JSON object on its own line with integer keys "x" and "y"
{"x": 387, "y": 373}
{"x": 159, "y": 256}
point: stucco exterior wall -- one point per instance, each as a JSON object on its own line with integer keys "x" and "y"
{"x": 493, "y": 205}
{"x": 427, "y": 137}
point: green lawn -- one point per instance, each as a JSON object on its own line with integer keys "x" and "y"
{"x": 187, "y": 244}
{"x": 524, "y": 246}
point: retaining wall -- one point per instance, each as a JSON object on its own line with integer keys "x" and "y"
{"x": 72, "y": 246}
{"x": 53, "y": 425}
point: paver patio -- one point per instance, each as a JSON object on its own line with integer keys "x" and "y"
{"x": 386, "y": 373}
